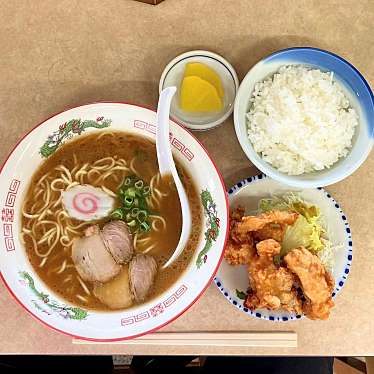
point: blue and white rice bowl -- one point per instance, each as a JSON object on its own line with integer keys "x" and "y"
{"x": 355, "y": 88}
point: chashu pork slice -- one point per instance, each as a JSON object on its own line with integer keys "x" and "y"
{"x": 92, "y": 260}
{"x": 142, "y": 270}
{"x": 118, "y": 241}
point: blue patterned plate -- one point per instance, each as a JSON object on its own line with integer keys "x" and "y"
{"x": 233, "y": 280}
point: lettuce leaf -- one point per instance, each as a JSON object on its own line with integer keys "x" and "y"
{"x": 274, "y": 203}
{"x": 307, "y": 231}
{"x": 302, "y": 233}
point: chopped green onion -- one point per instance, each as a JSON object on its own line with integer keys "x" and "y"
{"x": 129, "y": 201}
{"x": 134, "y": 208}
{"x": 139, "y": 184}
{"x": 142, "y": 215}
{"x": 128, "y": 181}
{"x": 131, "y": 223}
{"x": 144, "y": 226}
{"x": 134, "y": 212}
{"x": 136, "y": 202}
{"x": 139, "y": 193}
{"x": 143, "y": 204}
{"x": 131, "y": 191}
{"x": 146, "y": 190}
{"x": 117, "y": 213}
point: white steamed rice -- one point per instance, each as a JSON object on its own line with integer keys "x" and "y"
{"x": 300, "y": 120}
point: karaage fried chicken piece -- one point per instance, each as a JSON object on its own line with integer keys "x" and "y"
{"x": 237, "y": 214}
{"x": 239, "y": 254}
{"x": 235, "y": 218}
{"x": 266, "y": 251}
{"x": 270, "y": 231}
{"x": 255, "y": 223}
{"x": 316, "y": 283}
{"x": 239, "y": 248}
{"x": 271, "y": 286}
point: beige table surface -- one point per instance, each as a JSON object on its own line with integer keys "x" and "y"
{"x": 56, "y": 54}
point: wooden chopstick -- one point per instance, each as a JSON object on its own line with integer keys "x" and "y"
{"x": 217, "y": 339}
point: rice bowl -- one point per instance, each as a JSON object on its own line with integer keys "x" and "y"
{"x": 354, "y": 87}
{"x": 300, "y": 120}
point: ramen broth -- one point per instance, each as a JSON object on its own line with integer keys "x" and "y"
{"x": 103, "y": 160}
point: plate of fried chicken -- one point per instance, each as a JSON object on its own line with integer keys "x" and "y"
{"x": 289, "y": 251}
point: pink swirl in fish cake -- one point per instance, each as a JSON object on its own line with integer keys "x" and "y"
{"x": 86, "y": 203}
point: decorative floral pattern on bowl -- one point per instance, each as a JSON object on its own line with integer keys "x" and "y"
{"x": 48, "y": 307}
{"x": 212, "y": 226}
{"x": 67, "y": 130}
{"x": 51, "y": 306}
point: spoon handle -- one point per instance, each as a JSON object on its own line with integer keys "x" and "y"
{"x": 165, "y": 158}
{"x": 167, "y": 166}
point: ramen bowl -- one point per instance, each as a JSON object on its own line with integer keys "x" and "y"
{"x": 46, "y": 305}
